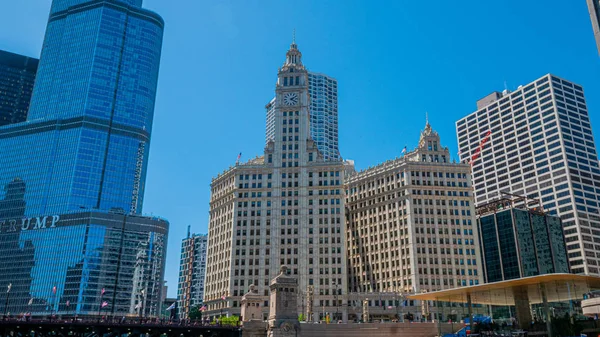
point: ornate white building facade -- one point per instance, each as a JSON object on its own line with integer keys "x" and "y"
{"x": 411, "y": 227}
{"x": 283, "y": 208}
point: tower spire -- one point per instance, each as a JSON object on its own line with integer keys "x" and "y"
{"x": 426, "y": 118}
{"x": 293, "y": 55}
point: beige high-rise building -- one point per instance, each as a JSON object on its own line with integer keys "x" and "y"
{"x": 411, "y": 228}
{"x": 283, "y": 208}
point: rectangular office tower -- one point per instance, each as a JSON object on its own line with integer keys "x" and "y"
{"x": 17, "y": 75}
{"x": 322, "y": 91}
{"x": 84, "y": 148}
{"x": 519, "y": 240}
{"x": 537, "y": 142}
{"x": 192, "y": 270}
{"x": 283, "y": 208}
{"x": 411, "y": 227}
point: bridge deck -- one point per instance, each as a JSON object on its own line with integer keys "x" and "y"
{"x": 96, "y": 328}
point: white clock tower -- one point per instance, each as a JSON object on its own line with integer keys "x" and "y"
{"x": 286, "y": 207}
{"x": 292, "y": 128}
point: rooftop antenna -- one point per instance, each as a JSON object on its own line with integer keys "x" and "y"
{"x": 426, "y": 118}
{"x": 294, "y": 36}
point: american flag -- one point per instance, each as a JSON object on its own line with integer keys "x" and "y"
{"x": 104, "y": 304}
{"x": 404, "y": 150}
{"x": 203, "y": 308}
{"x": 54, "y": 290}
{"x": 223, "y": 298}
{"x": 103, "y": 291}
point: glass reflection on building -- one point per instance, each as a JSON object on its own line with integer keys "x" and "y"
{"x": 520, "y": 241}
{"x": 81, "y": 254}
{"x": 85, "y": 143}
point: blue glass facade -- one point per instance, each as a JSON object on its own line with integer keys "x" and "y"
{"x": 86, "y": 141}
{"x": 80, "y": 254}
{"x": 519, "y": 243}
{"x": 17, "y": 75}
{"x": 72, "y": 175}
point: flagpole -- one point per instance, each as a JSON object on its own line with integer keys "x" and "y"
{"x": 52, "y": 304}
{"x": 7, "y": 295}
{"x": 100, "y": 304}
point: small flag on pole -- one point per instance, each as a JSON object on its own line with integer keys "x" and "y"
{"x": 103, "y": 291}
{"x": 238, "y": 158}
{"x": 203, "y": 308}
{"x": 30, "y": 301}
{"x": 223, "y": 298}
{"x": 68, "y": 303}
{"x": 172, "y": 306}
{"x": 137, "y": 306}
{"x": 9, "y": 287}
{"x": 54, "y": 290}
{"x": 404, "y": 150}
{"x": 104, "y": 304}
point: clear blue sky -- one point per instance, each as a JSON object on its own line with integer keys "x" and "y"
{"x": 394, "y": 61}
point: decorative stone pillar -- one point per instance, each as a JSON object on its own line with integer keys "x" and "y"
{"x": 283, "y": 308}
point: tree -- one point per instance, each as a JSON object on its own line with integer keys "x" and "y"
{"x": 195, "y": 313}
{"x": 229, "y": 321}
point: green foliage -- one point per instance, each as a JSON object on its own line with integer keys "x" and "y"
{"x": 195, "y": 313}
{"x": 301, "y": 318}
{"x": 227, "y": 321}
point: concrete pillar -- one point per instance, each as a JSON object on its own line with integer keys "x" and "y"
{"x": 522, "y": 307}
{"x": 470, "y": 311}
{"x": 546, "y": 310}
{"x": 439, "y": 313}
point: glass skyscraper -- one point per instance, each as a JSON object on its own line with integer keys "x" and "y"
{"x": 17, "y": 75}
{"x": 72, "y": 175}
{"x": 192, "y": 269}
{"x": 323, "y": 115}
{"x": 520, "y": 242}
{"x": 86, "y": 140}
{"x": 81, "y": 254}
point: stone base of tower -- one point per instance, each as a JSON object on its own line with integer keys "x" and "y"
{"x": 255, "y": 328}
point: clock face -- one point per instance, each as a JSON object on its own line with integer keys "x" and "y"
{"x": 290, "y": 99}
